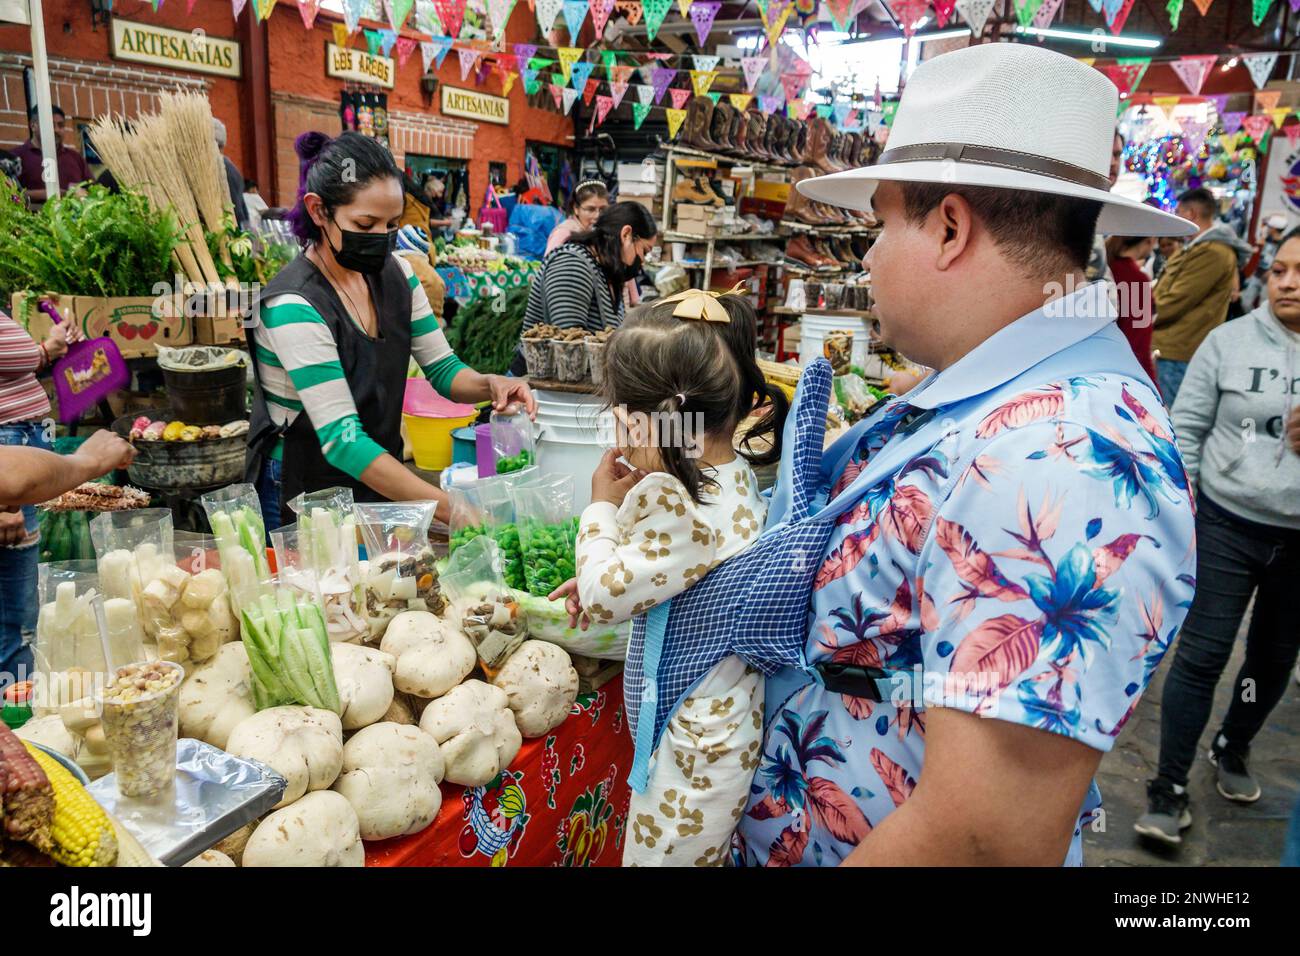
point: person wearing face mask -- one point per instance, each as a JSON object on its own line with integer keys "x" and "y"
{"x": 580, "y": 284}
{"x": 335, "y": 334}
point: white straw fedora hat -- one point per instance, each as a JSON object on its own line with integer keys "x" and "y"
{"x": 1008, "y": 115}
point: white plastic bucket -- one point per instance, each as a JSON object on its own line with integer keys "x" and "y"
{"x": 573, "y": 431}
{"x": 814, "y": 328}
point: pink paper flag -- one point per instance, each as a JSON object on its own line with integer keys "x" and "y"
{"x": 557, "y": 94}
{"x": 1257, "y": 125}
{"x": 405, "y": 47}
{"x": 1193, "y": 70}
{"x": 1292, "y": 131}
{"x": 1046, "y": 13}
{"x": 680, "y": 97}
{"x": 793, "y": 85}
{"x": 703, "y": 13}
{"x": 603, "y": 105}
{"x": 467, "y": 60}
{"x": 307, "y": 9}
{"x": 600, "y": 13}
{"x": 619, "y": 90}
{"x": 753, "y": 67}
{"x": 451, "y": 14}
{"x": 237, "y": 7}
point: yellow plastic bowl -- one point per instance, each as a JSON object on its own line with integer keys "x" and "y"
{"x": 431, "y": 439}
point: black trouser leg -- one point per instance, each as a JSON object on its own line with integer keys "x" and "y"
{"x": 1272, "y": 644}
{"x": 1228, "y": 565}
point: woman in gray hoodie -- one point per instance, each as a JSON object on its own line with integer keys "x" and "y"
{"x": 1237, "y": 419}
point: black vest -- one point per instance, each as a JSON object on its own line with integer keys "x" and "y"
{"x": 375, "y": 370}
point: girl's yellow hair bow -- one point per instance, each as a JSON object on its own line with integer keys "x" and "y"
{"x": 701, "y": 304}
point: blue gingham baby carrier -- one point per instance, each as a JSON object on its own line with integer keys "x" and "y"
{"x": 755, "y": 604}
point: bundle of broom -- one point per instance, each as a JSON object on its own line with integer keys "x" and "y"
{"x": 188, "y": 121}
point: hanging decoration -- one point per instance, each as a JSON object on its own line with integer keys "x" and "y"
{"x": 1260, "y": 66}
{"x": 1232, "y": 121}
{"x": 373, "y": 39}
{"x": 631, "y": 9}
{"x": 1127, "y": 72}
{"x": 524, "y": 52}
{"x": 675, "y": 120}
{"x": 714, "y": 97}
{"x": 600, "y": 14}
{"x": 451, "y": 14}
{"x": 307, "y": 9}
{"x": 793, "y": 84}
{"x": 387, "y": 40}
{"x": 352, "y": 10}
{"x": 1116, "y": 13}
{"x": 1256, "y": 125}
{"x": 679, "y": 97}
{"x": 740, "y": 101}
{"x": 570, "y": 96}
{"x": 1046, "y": 13}
{"x": 774, "y": 23}
{"x": 398, "y": 11}
{"x": 769, "y": 104}
{"x": 703, "y": 13}
{"x": 639, "y": 112}
{"x": 1203, "y": 6}
{"x": 1259, "y": 10}
{"x": 603, "y": 105}
{"x": 264, "y": 8}
{"x": 1266, "y": 100}
{"x": 704, "y": 63}
{"x": 547, "y": 11}
{"x": 1194, "y": 134}
{"x": 589, "y": 90}
{"x": 702, "y": 80}
{"x": 1279, "y": 115}
{"x": 753, "y": 67}
{"x": 976, "y": 13}
{"x": 943, "y": 11}
{"x": 685, "y": 7}
{"x": 1175, "y": 10}
{"x": 581, "y": 72}
{"x": 340, "y": 32}
{"x": 575, "y": 14}
{"x": 468, "y": 60}
{"x": 434, "y": 51}
{"x": 1025, "y": 11}
{"x": 617, "y": 90}
{"x": 645, "y": 95}
{"x": 1193, "y": 70}
{"x": 498, "y": 12}
{"x": 1292, "y": 133}
{"x": 568, "y": 55}
{"x": 531, "y": 83}
{"x": 841, "y": 12}
{"x": 655, "y": 11}
{"x": 661, "y": 79}
{"x": 909, "y": 13}
{"x": 557, "y": 94}
{"x": 426, "y": 18}
{"x": 405, "y": 47}
{"x": 1220, "y": 101}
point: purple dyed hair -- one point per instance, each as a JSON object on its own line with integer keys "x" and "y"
{"x": 321, "y": 166}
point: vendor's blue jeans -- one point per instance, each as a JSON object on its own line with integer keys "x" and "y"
{"x": 268, "y": 493}
{"x": 18, "y": 602}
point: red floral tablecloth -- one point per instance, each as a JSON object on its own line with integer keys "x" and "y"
{"x": 563, "y": 802}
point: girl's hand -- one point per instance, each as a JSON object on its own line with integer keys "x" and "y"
{"x": 612, "y": 479}
{"x": 572, "y": 603}
{"x": 509, "y": 391}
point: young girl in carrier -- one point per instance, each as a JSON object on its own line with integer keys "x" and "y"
{"x": 680, "y": 378}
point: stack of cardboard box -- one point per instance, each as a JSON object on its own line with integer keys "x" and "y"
{"x": 642, "y": 183}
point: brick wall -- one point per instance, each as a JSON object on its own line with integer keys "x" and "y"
{"x": 85, "y": 90}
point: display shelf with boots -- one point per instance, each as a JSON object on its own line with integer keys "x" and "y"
{"x": 693, "y": 190}
{"x": 756, "y": 135}
{"x": 720, "y": 127}
{"x": 801, "y": 250}
{"x": 740, "y": 135}
{"x": 799, "y": 142}
{"x": 797, "y": 207}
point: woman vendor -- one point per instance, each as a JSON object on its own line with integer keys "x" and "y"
{"x": 338, "y": 328}
{"x": 588, "y": 201}
{"x": 580, "y": 284}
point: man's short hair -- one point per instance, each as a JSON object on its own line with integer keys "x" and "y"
{"x": 55, "y": 110}
{"x": 1042, "y": 232}
{"x": 1201, "y": 200}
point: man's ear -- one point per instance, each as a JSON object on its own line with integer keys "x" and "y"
{"x": 954, "y": 222}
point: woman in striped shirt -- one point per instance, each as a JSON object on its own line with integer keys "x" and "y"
{"x": 24, "y": 420}
{"x": 337, "y": 329}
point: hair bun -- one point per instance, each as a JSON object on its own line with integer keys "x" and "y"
{"x": 310, "y": 145}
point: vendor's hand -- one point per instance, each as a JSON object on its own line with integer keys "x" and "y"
{"x": 57, "y": 342}
{"x": 13, "y": 528}
{"x": 104, "y": 451}
{"x": 1293, "y": 430}
{"x": 509, "y": 391}
{"x": 572, "y": 603}
{"x": 612, "y": 479}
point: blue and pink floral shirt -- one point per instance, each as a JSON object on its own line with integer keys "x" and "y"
{"x": 1040, "y": 582}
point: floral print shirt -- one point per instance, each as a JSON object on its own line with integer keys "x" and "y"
{"x": 1039, "y": 583}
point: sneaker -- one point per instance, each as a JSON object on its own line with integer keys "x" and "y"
{"x": 1167, "y": 814}
{"x": 1234, "y": 781}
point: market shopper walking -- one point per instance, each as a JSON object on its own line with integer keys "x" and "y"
{"x": 1231, "y": 419}
{"x": 1195, "y": 289}
{"x": 580, "y": 283}
{"x": 985, "y": 593}
{"x": 338, "y": 328}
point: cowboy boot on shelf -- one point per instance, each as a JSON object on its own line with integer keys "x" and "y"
{"x": 773, "y": 139}
{"x": 739, "y": 135}
{"x": 755, "y": 136}
{"x": 799, "y": 142}
{"x": 784, "y": 141}
{"x": 720, "y": 126}
{"x": 801, "y": 250}
{"x": 698, "y": 115}
{"x": 815, "y": 153}
{"x": 797, "y": 207}
{"x": 690, "y": 189}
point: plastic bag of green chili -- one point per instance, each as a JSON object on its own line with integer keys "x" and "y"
{"x": 548, "y": 530}
{"x": 513, "y": 443}
{"x": 485, "y": 507}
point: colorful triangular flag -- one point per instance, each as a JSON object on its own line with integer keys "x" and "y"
{"x": 264, "y": 8}
{"x": 702, "y": 80}
{"x": 645, "y": 95}
{"x": 1292, "y": 134}
{"x": 1260, "y": 66}
{"x": 1203, "y": 6}
{"x": 547, "y": 11}
{"x": 639, "y": 112}
{"x": 557, "y": 94}
{"x": 580, "y": 72}
{"x": 662, "y": 77}
{"x": 426, "y": 18}
{"x": 352, "y": 10}
{"x": 753, "y": 67}
{"x": 631, "y": 9}
{"x": 1025, "y": 11}
{"x": 740, "y": 101}
{"x": 387, "y": 40}
{"x": 498, "y": 12}
{"x": 679, "y": 97}
{"x": 685, "y": 7}
{"x": 910, "y": 12}
{"x": 568, "y": 55}
{"x": 1259, "y": 10}
{"x": 793, "y": 84}
{"x": 1046, "y": 13}
{"x": 1127, "y": 72}
{"x": 975, "y": 13}
{"x": 943, "y": 11}
{"x": 1266, "y": 100}
{"x": 398, "y": 11}
{"x": 451, "y": 14}
{"x": 468, "y": 60}
{"x": 588, "y": 90}
{"x": 307, "y": 9}
{"x": 524, "y": 52}
{"x": 570, "y": 97}
{"x": 1256, "y": 125}
{"x": 340, "y": 32}
{"x": 373, "y": 42}
{"x": 705, "y": 63}
{"x": 600, "y": 13}
{"x": 675, "y": 120}
{"x": 575, "y": 14}
{"x": 655, "y": 11}
{"x": 1175, "y": 10}
{"x": 1116, "y": 13}
{"x": 1193, "y": 70}
{"x": 703, "y": 13}
{"x": 769, "y": 104}
{"x": 1232, "y": 121}
{"x": 1279, "y": 115}
{"x": 617, "y": 91}
{"x": 603, "y": 105}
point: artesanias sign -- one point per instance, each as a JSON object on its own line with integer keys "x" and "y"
{"x": 159, "y": 46}
{"x": 475, "y": 106}
{"x": 359, "y": 66}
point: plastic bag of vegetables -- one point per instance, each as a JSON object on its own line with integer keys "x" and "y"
{"x": 131, "y": 547}
{"x": 486, "y": 610}
{"x": 549, "y": 621}
{"x": 321, "y": 564}
{"x": 288, "y": 650}
{"x": 400, "y": 570}
{"x": 235, "y": 514}
{"x": 548, "y": 531}
{"x": 486, "y": 507}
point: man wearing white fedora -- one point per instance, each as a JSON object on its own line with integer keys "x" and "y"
{"x": 1011, "y": 548}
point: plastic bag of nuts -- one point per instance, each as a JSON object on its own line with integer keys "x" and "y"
{"x": 140, "y": 725}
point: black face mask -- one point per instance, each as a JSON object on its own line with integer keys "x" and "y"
{"x": 364, "y": 252}
{"x": 628, "y": 272}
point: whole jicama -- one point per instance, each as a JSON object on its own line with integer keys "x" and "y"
{"x": 390, "y": 776}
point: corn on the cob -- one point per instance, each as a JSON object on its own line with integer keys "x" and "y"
{"x": 28, "y": 797}
{"x": 777, "y": 372}
{"x": 82, "y": 833}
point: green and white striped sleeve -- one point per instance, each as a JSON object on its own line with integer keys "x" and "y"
{"x": 428, "y": 345}
{"x": 300, "y": 371}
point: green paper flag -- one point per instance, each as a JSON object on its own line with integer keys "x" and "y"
{"x": 655, "y": 11}
{"x": 889, "y": 109}
{"x": 1175, "y": 8}
{"x": 539, "y": 63}
{"x": 374, "y": 42}
{"x": 1259, "y": 10}
{"x": 610, "y": 59}
{"x": 715, "y": 97}
{"x": 1025, "y": 10}
{"x": 824, "y": 110}
{"x": 399, "y": 10}
{"x": 639, "y": 112}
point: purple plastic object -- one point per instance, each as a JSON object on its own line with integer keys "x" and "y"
{"x": 483, "y": 452}
{"x": 89, "y": 371}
